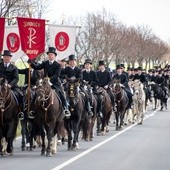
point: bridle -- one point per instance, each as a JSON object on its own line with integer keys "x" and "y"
{"x": 3, "y": 101}
{"x": 45, "y": 100}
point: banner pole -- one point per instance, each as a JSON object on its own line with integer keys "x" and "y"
{"x": 23, "y": 62}
{"x": 29, "y": 86}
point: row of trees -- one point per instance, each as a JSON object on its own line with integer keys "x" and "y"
{"x": 101, "y": 36}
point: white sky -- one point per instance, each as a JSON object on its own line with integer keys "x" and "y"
{"x": 153, "y": 13}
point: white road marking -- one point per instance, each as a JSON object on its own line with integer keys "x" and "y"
{"x": 58, "y": 167}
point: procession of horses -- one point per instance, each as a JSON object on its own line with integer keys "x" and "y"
{"x": 108, "y": 103}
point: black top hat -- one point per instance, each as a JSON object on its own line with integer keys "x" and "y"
{"x": 140, "y": 68}
{"x": 101, "y": 62}
{"x": 7, "y": 53}
{"x": 64, "y": 60}
{"x": 129, "y": 69}
{"x": 52, "y": 50}
{"x": 72, "y": 57}
{"x": 88, "y": 60}
{"x": 118, "y": 66}
{"x": 135, "y": 69}
{"x": 122, "y": 65}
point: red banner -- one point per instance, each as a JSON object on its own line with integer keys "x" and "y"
{"x": 32, "y": 35}
{"x": 2, "y": 28}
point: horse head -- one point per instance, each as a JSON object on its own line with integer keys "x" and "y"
{"x": 43, "y": 90}
{"x": 4, "y": 91}
{"x": 72, "y": 87}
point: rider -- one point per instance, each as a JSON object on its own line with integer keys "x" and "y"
{"x": 89, "y": 75}
{"x": 73, "y": 71}
{"x": 10, "y": 73}
{"x": 162, "y": 82}
{"x": 52, "y": 70}
{"x": 104, "y": 80}
{"x": 124, "y": 81}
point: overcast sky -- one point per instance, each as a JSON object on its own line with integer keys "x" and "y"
{"x": 154, "y": 13}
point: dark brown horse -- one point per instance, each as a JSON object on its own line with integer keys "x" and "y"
{"x": 88, "y": 123}
{"x": 122, "y": 101}
{"x": 8, "y": 115}
{"x": 78, "y": 113}
{"x": 48, "y": 113}
{"x": 107, "y": 109}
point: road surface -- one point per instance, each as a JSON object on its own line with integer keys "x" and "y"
{"x": 137, "y": 147}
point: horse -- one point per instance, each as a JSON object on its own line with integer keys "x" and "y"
{"x": 8, "y": 115}
{"x": 28, "y": 129}
{"x": 107, "y": 109}
{"x": 158, "y": 94}
{"x": 122, "y": 103}
{"x": 88, "y": 126}
{"x": 48, "y": 114}
{"x": 139, "y": 100}
{"x": 78, "y": 112}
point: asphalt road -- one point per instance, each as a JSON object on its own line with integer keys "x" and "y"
{"x": 137, "y": 147}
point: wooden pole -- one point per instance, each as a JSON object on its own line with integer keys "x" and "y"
{"x": 29, "y": 86}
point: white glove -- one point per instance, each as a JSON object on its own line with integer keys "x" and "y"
{"x": 121, "y": 85}
{"x": 106, "y": 87}
{"x": 50, "y": 82}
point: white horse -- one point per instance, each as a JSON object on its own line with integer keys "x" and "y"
{"x": 139, "y": 100}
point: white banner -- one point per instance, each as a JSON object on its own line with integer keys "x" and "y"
{"x": 63, "y": 38}
{"x": 12, "y": 42}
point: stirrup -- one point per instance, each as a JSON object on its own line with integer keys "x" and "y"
{"x": 30, "y": 115}
{"x": 20, "y": 116}
{"x": 90, "y": 113}
{"x": 67, "y": 113}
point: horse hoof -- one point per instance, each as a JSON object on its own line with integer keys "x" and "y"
{"x": 43, "y": 153}
{"x": 91, "y": 139}
{"x": 102, "y": 133}
{"x": 23, "y": 149}
{"x": 125, "y": 124}
{"x": 53, "y": 151}
{"x": 69, "y": 149}
{"x": 48, "y": 155}
{"x": 140, "y": 123}
{"x": 98, "y": 134}
{"x": 59, "y": 143}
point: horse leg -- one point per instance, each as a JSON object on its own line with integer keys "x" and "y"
{"x": 43, "y": 141}
{"x": 161, "y": 105}
{"x": 117, "y": 120}
{"x": 23, "y": 132}
{"x": 98, "y": 126}
{"x": 1, "y": 147}
{"x": 10, "y": 136}
{"x": 68, "y": 127}
{"x": 76, "y": 127}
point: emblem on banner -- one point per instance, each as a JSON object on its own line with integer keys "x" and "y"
{"x": 61, "y": 41}
{"x": 13, "y": 42}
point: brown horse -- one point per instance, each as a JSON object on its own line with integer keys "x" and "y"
{"x": 8, "y": 115}
{"x": 78, "y": 113}
{"x": 122, "y": 101}
{"x": 48, "y": 113}
{"x": 107, "y": 109}
{"x": 88, "y": 125}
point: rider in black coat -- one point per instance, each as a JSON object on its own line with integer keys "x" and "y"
{"x": 124, "y": 81}
{"x": 73, "y": 71}
{"x": 162, "y": 82}
{"x": 52, "y": 70}
{"x": 10, "y": 73}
